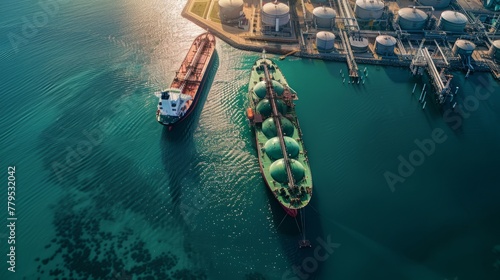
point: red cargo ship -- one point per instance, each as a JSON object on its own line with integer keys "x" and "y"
{"x": 177, "y": 102}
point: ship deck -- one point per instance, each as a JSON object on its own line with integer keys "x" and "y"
{"x": 291, "y": 198}
{"x": 190, "y": 75}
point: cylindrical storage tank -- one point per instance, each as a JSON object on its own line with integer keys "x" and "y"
{"x": 358, "y": 44}
{"x": 384, "y": 44}
{"x": 369, "y": 9}
{"x": 495, "y": 50}
{"x": 275, "y": 14}
{"x": 452, "y": 21}
{"x": 438, "y": 4}
{"x": 463, "y": 47}
{"x": 325, "y": 41}
{"x": 324, "y": 17}
{"x": 230, "y": 9}
{"x": 412, "y": 19}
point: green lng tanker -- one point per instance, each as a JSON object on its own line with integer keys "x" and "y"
{"x": 282, "y": 156}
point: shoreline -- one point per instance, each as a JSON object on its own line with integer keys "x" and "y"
{"x": 247, "y": 41}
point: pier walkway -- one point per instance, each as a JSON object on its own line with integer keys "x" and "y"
{"x": 440, "y": 81}
{"x": 351, "y": 24}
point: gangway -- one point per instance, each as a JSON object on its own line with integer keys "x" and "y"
{"x": 401, "y": 47}
{"x": 287, "y": 54}
{"x": 442, "y": 54}
{"x": 440, "y": 81}
{"x": 351, "y": 25}
{"x": 418, "y": 62}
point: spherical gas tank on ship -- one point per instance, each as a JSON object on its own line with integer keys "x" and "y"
{"x": 260, "y": 88}
{"x": 272, "y": 147}
{"x": 412, "y": 19}
{"x": 269, "y": 127}
{"x": 452, "y": 21}
{"x": 369, "y": 9}
{"x": 230, "y": 9}
{"x": 324, "y": 17}
{"x": 264, "y": 107}
{"x": 325, "y": 41}
{"x": 275, "y": 14}
{"x": 278, "y": 170}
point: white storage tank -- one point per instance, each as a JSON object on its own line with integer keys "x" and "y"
{"x": 369, "y": 9}
{"x": 452, "y": 21}
{"x": 230, "y": 9}
{"x": 384, "y": 44}
{"x": 438, "y": 4}
{"x": 325, "y": 41}
{"x": 324, "y": 17}
{"x": 275, "y": 14}
{"x": 358, "y": 44}
{"x": 495, "y": 50}
{"x": 463, "y": 47}
{"x": 412, "y": 18}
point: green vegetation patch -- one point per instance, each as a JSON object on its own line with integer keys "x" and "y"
{"x": 200, "y": 8}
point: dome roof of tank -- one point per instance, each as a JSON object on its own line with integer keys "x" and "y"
{"x": 370, "y": 5}
{"x": 386, "y": 40}
{"x": 276, "y": 9}
{"x": 260, "y": 88}
{"x": 465, "y": 45}
{"x": 278, "y": 170}
{"x": 496, "y": 44}
{"x": 269, "y": 128}
{"x": 325, "y": 35}
{"x": 412, "y": 14}
{"x": 273, "y": 147}
{"x": 230, "y": 3}
{"x": 324, "y": 12}
{"x": 264, "y": 107}
{"x": 454, "y": 17}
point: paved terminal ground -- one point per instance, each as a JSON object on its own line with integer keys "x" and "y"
{"x": 245, "y": 32}
{"x": 298, "y": 37}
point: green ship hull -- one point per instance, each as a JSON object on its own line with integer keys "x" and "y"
{"x": 282, "y": 156}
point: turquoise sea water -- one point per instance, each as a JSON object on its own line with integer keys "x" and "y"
{"x": 105, "y": 192}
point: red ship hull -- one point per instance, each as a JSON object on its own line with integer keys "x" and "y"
{"x": 191, "y": 76}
